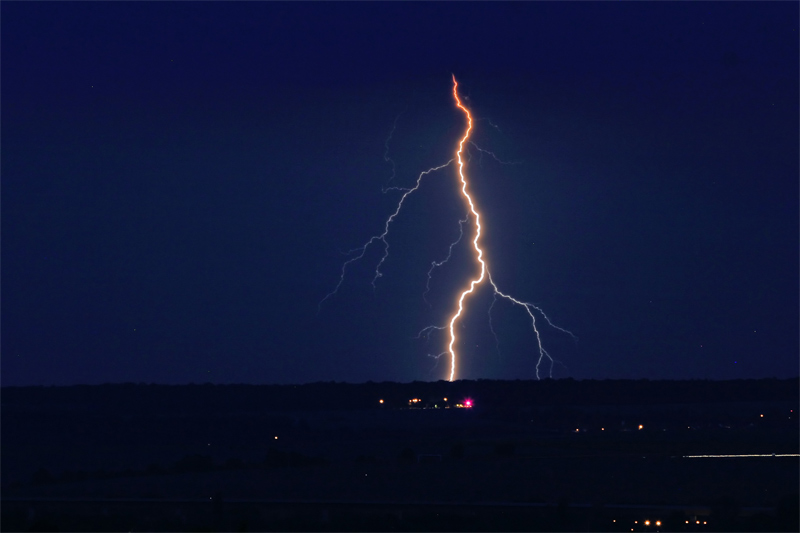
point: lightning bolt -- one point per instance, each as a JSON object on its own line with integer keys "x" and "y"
{"x": 484, "y": 269}
{"x": 492, "y": 155}
{"x": 437, "y": 264}
{"x": 478, "y": 251}
{"x": 472, "y": 214}
{"x": 381, "y": 237}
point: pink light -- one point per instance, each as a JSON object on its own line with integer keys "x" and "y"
{"x": 468, "y": 403}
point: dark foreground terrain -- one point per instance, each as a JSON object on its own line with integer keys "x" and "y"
{"x": 526, "y": 456}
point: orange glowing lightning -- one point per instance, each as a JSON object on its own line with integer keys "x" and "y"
{"x": 474, "y": 282}
{"x": 484, "y": 269}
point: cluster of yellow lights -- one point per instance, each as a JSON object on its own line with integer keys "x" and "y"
{"x": 415, "y": 401}
{"x": 647, "y": 522}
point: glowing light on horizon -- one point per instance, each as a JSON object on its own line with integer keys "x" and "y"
{"x": 746, "y": 455}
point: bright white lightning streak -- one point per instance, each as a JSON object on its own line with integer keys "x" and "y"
{"x": 381, "y": 237}
{"x": 484, "y": 268}
{"x": 746, "y": 455}
{"x": 528, "y": 306}
{"x": 477, "y": 216}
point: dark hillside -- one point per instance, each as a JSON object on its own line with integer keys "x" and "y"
{"x": 592, "y": 443}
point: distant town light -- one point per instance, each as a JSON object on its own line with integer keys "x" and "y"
{"x": 641, "y": 426}
{"x": 602, "y": 429}
{"x": 445, "y": 399}
{"x": 380, "y": 401}
{"x": 647, "y": 522}
{"x": 276, "y": 437}
{"x": 762, "y": 416}
{"x": 468, "y": 402}
{"x": 658, "y": 522}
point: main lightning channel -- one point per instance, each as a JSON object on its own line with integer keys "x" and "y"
{"x": 529, "y": 307}
{"x": 451, "y": 346}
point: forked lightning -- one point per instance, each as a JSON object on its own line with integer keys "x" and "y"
{"x": 473, "y": 215}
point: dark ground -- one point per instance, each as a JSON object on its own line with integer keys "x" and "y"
{"x": 555, "y": 455}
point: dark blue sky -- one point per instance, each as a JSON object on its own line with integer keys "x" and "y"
{"x": 179, "y": 181}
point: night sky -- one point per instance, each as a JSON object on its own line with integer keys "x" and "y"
{"x": 180, "y": 182}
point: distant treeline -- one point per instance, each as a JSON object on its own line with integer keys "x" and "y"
{"x": 485, "y": 394}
